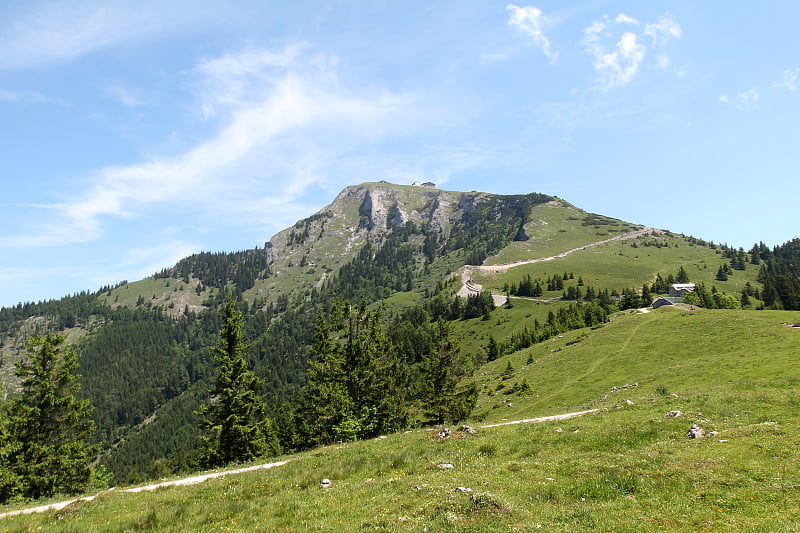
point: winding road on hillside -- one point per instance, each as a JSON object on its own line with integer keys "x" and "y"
{"x": 470, "y": 288}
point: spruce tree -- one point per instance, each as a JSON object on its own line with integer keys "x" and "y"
{"x": 48, "y": 426}
{"x": 357, "y": 384}
{"x": 647, "y": 297}
{"x": 9, "y": 480}
{"x": 442, "y": 398}
{"x": 492, "y": 350}
{"x": 234, "y": 422}
{"x": 683, "y": 276}
{"x": 325, "y": 397}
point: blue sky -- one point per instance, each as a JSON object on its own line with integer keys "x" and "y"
{"x": 135, "y": 133}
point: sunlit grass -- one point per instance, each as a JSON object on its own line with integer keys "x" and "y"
{"x": 628, "y": 467}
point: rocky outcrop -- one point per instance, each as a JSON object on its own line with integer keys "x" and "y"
{"x": 380, "y": 212}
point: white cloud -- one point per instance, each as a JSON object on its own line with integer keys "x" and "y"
{"x": 622, "y": 18}
{"x": 618, "y": 54}
{"x": 492, "y": 57}
{"x": 530, "y": 21}
{"x": 235, "y": 79}
{"x": 45, "y": 33}
{"x": 788, "y": 80}
{"x": 123, "y": 95}
{"x": 618, "y": 67}
{"x": 664, "y": 30}
{"x": 285, "y": 124}
{"x": 22, "y": 97}
{"x": 743, "y": 100}
{"x": 747, "y": 98}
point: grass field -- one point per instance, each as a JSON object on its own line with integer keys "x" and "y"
{"x": 628, "y": 467}
{"x": 617, "y": 265}
{"x": 556, "y": 227}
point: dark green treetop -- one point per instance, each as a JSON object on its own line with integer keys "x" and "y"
{"x": 234, "y": 422}
{"x": 48, "y": 424}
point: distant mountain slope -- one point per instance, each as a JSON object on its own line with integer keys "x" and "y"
{"x": 144, "y": 345}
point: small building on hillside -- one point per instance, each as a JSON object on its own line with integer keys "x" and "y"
{"x": 679, "y": 289}
{"x": 427, "y": 184}
{"x": 666, "y": 300}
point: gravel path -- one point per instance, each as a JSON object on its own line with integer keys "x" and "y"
{"x": 185, "y": 481}
{"x": 199, "y": 479}
{"x": 565, "y": 416}
{"x": 468, "y": 287}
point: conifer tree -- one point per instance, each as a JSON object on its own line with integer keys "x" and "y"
{"x": 647, "y": 297}
{"x": 235, "y": 426}
{"x": 48, "y": 426}
{"x": 357, "y": 384}
{"x": 683, "y": 276}
{"x": 442, "y": 399}
{"x": 492, "y": 350}
{"x": 9, "y": 480}
{"x": 325, "y": 398}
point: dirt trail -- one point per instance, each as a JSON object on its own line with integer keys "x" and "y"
{"x": 468, "y": 287}
{"x": 565, "y": 416}
{"x": 199, "y": 479}
{"x": 185, "y": 481}
{"x": 625, "y": 236}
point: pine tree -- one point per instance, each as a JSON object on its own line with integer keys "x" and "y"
{"x": 357, "y": 383}
{"x": 234, "y": 424}
{"x": 683, "y": 276}
{"x": 492, "y": 350}
{"x": 647, "y": 297}
{"x": 48, "y": 425}
{"x": 10, "y": 483}
{"x": 325, "y": 397}
{"x": 443, "y": 400}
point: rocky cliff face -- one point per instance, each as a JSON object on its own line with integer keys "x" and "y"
{"x": 370, "y": 212}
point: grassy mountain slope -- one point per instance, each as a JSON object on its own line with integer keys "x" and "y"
{"x": 628, "y": 467}
{"x": 145, "y": 410}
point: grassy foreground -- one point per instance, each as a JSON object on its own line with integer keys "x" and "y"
{"x": 628, "y": 467}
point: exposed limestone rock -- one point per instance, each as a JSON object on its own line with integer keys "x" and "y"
{"x": 696, "y": 432}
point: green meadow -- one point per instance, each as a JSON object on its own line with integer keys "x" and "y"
{"x": 626, "y": 467}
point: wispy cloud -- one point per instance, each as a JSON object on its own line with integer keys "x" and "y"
{"x": 617, "y": 67}
{"x": 618, "y": 54}
{"x": 123, "y": 95}
{"x": 286, "y": 120}
{"x": 663, "y": 31}
{"x": 45, "y": 33}
{"x": 22, "y": 97}
{"x": 788, "y": 80}
{"x": 530, "y": 21}
{"x": 742, "y": 100}
{"x": 622, "y": 18}
{"x": 747, "y": 98}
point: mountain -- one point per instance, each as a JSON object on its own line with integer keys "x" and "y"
{"x": 145, "y": 346}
